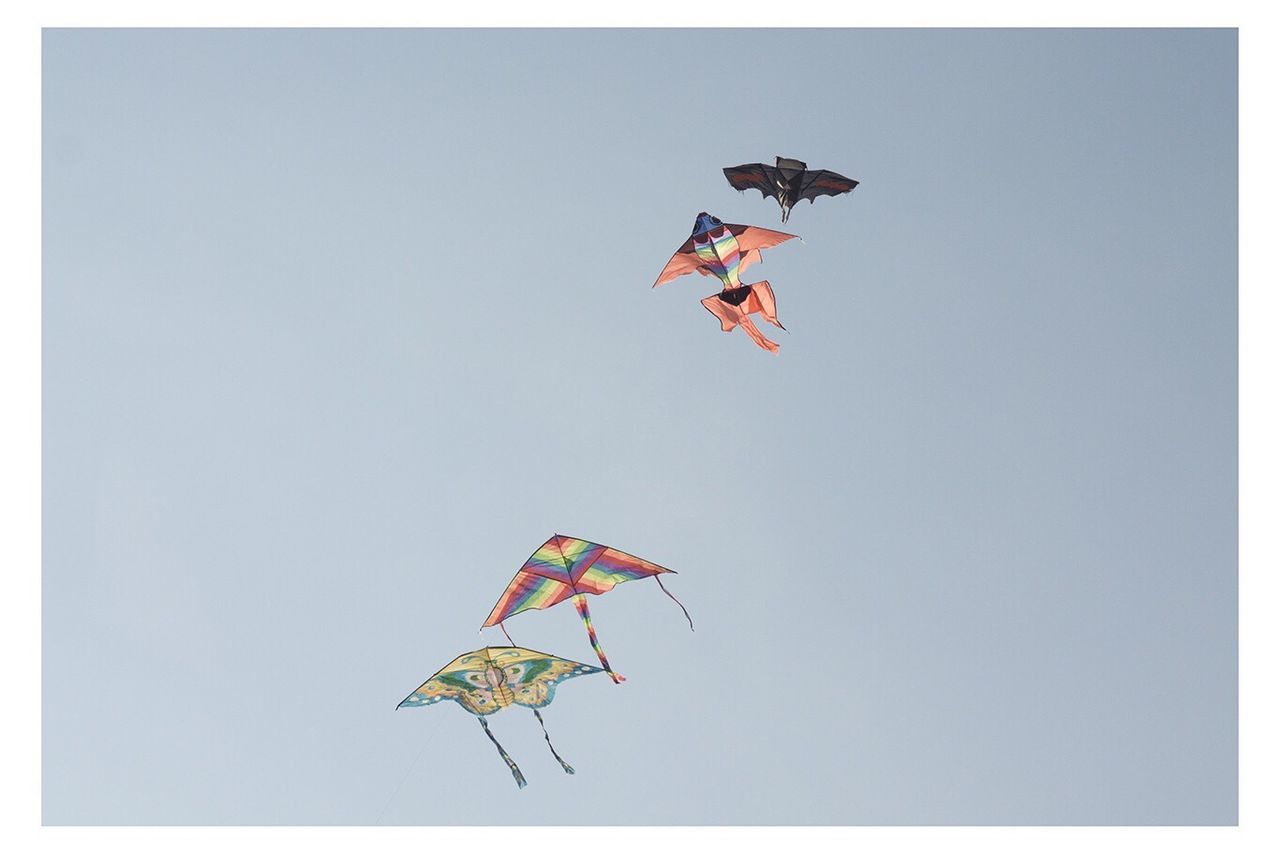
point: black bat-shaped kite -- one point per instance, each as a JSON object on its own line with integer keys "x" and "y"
{"x": 788, "y": 181}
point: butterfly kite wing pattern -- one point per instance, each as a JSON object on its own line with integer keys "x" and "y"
{"x": 533, "y": 677}
{"x": 491, "y": 679}
{"x": 466, "y": 681}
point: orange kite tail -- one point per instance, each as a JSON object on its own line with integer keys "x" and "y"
{"x": 759, "y": 299}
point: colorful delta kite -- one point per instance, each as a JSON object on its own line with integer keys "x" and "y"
{"x": 788, "y": 181}
{"x": 491, "y": 679}
{"x": 566, "y": 566}
{"x": 724, "y": 251}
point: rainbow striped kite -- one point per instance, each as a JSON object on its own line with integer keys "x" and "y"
{"x": 564, "y": 567}
{"x": 724, "y": 250}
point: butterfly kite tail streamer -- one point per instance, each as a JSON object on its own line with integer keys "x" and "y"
{"x": 568, "y": 769}
{"x": 515, "y": 769}
{"x": 658, "y": 579}
{"x": 580, "y": 602}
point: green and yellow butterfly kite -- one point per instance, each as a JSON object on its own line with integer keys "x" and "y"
{"x": 489, "y": 680}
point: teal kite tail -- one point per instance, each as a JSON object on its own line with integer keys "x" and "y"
{"x": 515, "y": 769}
{"x": 568, "y": 769}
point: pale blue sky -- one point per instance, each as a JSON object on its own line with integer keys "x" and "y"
{"x": 340, "y": 325}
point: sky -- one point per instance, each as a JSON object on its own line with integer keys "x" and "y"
{"x": 339, "y": 326}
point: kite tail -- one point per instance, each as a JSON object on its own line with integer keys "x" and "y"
{"x": 731, "y": 316}
{"x": 758, "y": 337}
{"x": 515, "y": 769}
{"x": 568, "y": 769}
{"x": 763, "y": 301}
{"x": 580, "y": 602}
{"x": 658, "y": 579}
{"x": 504, "y": 631}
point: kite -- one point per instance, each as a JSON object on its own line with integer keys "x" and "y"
{"x": 564, "y": 567}
{"x": 724, "y": 250}
{"x": 491, "y": 679}
{"x": 788, "y": 181}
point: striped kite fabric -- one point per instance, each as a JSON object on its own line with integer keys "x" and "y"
{"x": 718, "y": 249}
{"x": 563, "y": 567}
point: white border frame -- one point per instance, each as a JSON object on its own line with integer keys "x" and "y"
{"x": 20, "y": 438}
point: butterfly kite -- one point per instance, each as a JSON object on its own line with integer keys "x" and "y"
{"x": 788, "y": 181}
{"x": 724, "y": 250}
{"x": 565, "y": 567}
{"x": 491, "y": 679}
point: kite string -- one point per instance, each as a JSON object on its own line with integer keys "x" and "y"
{"x": 658, "y": 579}
{"x": 504, "y": 631}
{"x": 404, "y": 777}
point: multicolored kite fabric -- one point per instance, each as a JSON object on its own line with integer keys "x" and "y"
{"x": 491, "y": 679}
{"x": 724, "y": 250}
{"x": 565, "y": 567}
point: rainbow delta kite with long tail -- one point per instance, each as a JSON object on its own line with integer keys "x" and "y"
{"x": 565, "y": 567}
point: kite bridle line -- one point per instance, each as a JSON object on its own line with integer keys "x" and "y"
{"x": 502, "y": 626}
{"x": 405, "y": 776}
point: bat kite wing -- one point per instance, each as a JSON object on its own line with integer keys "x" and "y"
{"x": 756, "y": 176}
{"x": 822, "y": 182}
